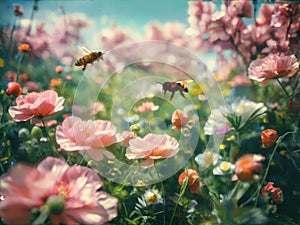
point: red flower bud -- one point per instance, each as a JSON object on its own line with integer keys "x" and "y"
{"x": 13, "y": 88}
{"x": 269, "y": 137}
{"x": 193, "y": 182}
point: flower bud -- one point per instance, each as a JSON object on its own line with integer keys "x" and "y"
{"x": 56, "y": 204}
{"x": 135, "y": 128}
{"x": 179, "y": 119}
{"x": 58, "y": 69}
{"x": 24, "y": 48}
{"x": 23, "y": 133}
{"x": 36, "y": 132}
{"x": 269, "y": 137}
{"x": 13, "y": 88}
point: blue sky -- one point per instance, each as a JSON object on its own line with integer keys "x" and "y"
{"x": 127, "y": 13}
{"x": 134, "y": 13}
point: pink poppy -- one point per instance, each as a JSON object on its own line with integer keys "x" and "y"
{"x": 25, "y": 188}
{"x": 36, "y": 105}
{"x": 247, "y": 166}
{"x": 152, "y": 147}
{"x": 147, "y": 107}
{"x": 273, "y": 66}
{"x": 93, "y": 136}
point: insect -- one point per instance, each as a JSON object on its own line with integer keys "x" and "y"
{"x": 89, "y": 58}
{"x": 175, "y": 86}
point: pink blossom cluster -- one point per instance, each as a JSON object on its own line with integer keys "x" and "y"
{"x": 275, "y": 28}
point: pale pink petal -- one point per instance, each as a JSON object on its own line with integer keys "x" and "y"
{"x": 147, "y": 163}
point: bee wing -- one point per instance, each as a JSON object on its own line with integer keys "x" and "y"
{"x": 85, "y": 49}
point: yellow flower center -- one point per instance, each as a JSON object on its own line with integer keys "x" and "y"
{"x": 152, "y": 197}
{"x": 209, "y": 158}
{"x": 224, "y": 166}
{"x": 63, "y": 190}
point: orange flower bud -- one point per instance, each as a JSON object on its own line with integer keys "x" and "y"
{"x": 24, "y": 48}
{"x": 179, "y": 119}
{"x": 193, "y": 182}
{"x": 58, "y": 69}
{"x": 55, "y": 82}
{"x": 23, "y": 77}
{"x": 269, "y": 137}
{"x": 13, "y": 88}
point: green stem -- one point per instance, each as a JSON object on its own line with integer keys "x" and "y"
{"x": 269, "y": 165}
{"x": 182, "y": 191}
{"x": 51, "y": 144}
{"x": 231, "y": 194}
{"x": 42, "y": 217}
{"x": 19, "y": 65}
{"x": 164, "y": 196}
{"x": 283, "y": 88}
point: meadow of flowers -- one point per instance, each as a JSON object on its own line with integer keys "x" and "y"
{"x": 108, "y": 145}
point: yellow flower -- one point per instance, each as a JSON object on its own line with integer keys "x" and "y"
{"x": 2, "y": 63}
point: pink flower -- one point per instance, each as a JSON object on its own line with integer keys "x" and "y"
{"x": 25, "y": 188}
{"x": 242, "y": 8}
{"x": 47, "y": 123}
{"x": 93, "y": 136}
{"x": 273, "y": 66}
{"x": 266, "y": 10}
{"x": 96, "y": 108}
{"x": 11, "y": 76}
{"x": 179, "y": 119}
{"x": 247, "y": 166}
{"x": 31, "y": 86}
{"x": 274, "y": 192}
{"x": 36, "y": 105}
{"x": 240, "y": 80}
{"x": 147, "y": 107}
{"x": 152, "y": 147}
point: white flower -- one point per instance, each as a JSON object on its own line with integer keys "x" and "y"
{"x": 224, "y": 168}
{"x": 248, "y": 110}
{"x": 217, "y": 123}
{"x": 234, "y": 116}
{"x": 150, "y": 197}
{"x": 206, "y": 159}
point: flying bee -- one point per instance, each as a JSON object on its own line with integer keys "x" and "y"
{"x": 175, "y": 86}
{"x": 89, "y": 58}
